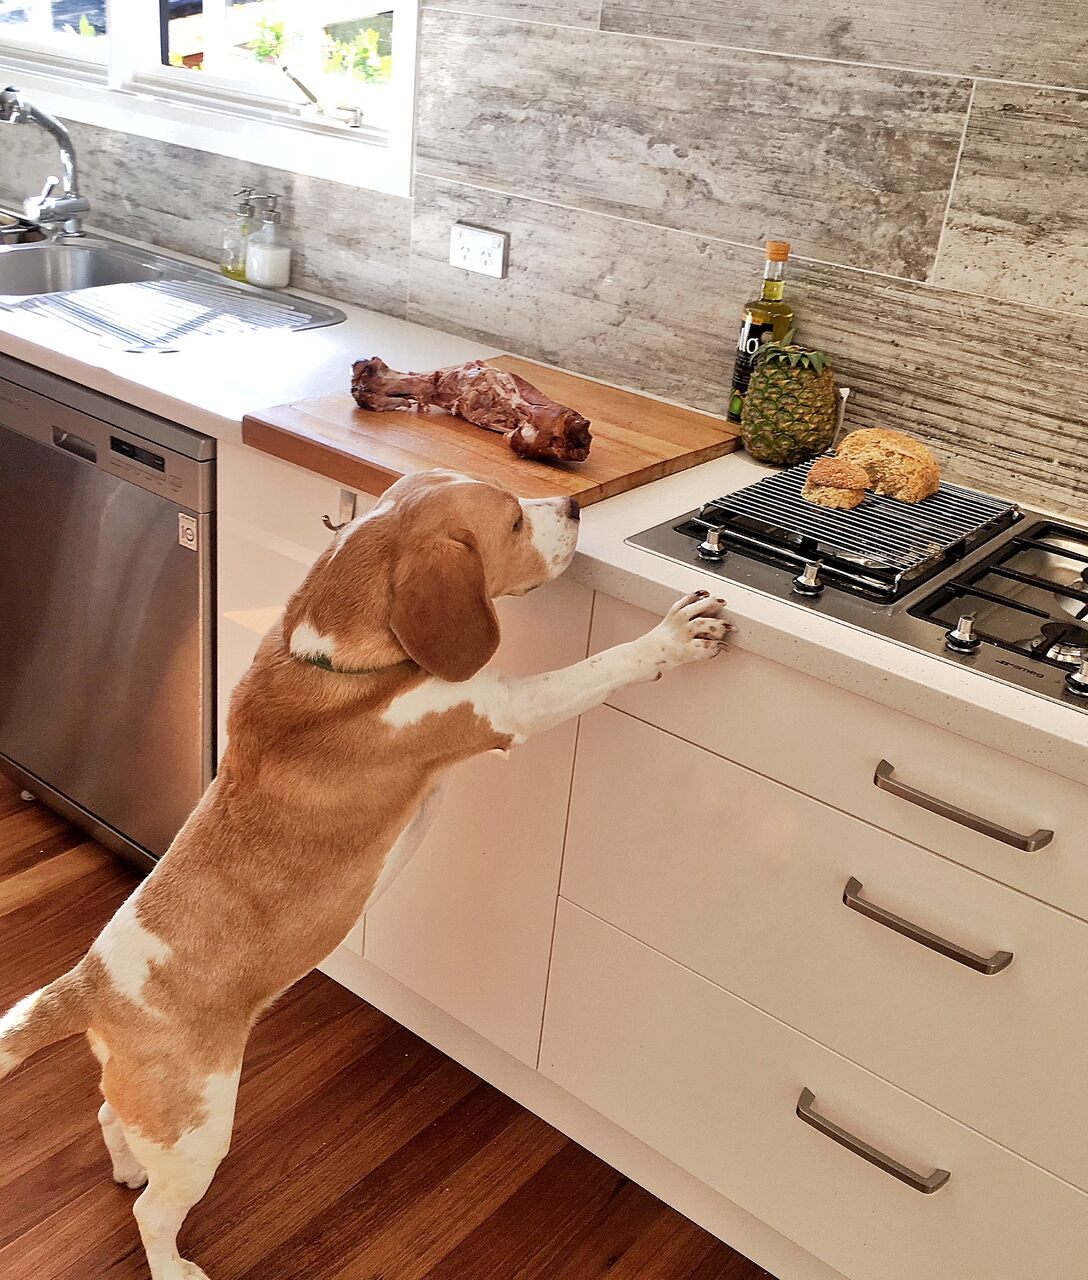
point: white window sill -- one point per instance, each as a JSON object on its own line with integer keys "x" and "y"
{"x": 318, "y": 151}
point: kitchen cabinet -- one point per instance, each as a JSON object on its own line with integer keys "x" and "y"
{"x": 636, "y": 926}
{"x": 742, "y": 880}
{"x": 828, "y": 743}
{"x": 715, "y": 1084}
{"x": 269, "y": 534}
{"x": 468, "y": 923}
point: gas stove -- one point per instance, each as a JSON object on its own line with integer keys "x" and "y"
{"x": 962, "y": 575}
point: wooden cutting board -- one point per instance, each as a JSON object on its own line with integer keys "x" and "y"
{"x": 635, "y": 440}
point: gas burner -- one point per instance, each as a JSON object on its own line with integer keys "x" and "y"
{"x": 1063, "y": 642}
{"x": 1008, "y": 589}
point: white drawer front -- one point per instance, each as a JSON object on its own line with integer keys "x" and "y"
{"x": 742, "y": 880}
{"x": 713, "y": 1084}
{"x": 828, "y": 743}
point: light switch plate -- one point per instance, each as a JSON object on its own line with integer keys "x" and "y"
{"x": 479, "y": 249}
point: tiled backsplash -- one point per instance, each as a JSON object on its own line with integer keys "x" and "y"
{"x": 926, "y": 161}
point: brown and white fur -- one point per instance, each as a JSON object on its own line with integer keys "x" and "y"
{"x": 323, "y": 793}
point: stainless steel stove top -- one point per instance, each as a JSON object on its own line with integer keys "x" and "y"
{"x": 962, "y": 575}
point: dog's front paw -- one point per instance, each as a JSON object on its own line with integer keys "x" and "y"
{"x": 691, "y": 631}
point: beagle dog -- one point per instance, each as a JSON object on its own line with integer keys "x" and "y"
{"x": 374, "y": 682}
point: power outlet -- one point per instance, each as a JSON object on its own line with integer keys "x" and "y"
{"x": 478, "y": 249}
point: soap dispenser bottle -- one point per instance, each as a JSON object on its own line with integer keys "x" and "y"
{"x": 268, "y": 250}
{"x": 232, "y": 252}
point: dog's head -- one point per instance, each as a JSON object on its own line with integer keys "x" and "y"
{"x": 416, "y": 576}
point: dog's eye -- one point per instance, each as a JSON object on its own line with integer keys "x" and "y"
{"x": 519, "y": 522}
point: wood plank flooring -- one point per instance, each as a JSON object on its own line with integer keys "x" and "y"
{"x": 360, "y": 1153}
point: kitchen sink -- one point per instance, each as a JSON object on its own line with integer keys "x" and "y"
{"x": 139, "y": 299}
{"x": 30, "y": 270}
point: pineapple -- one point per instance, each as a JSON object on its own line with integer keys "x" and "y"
{"x": 791, "y": 408}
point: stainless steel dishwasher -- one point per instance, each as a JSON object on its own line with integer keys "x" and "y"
{"x": 106, "y": 609}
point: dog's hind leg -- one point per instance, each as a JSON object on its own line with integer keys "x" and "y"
{"x": 178, "y": 1176}
{"x": 126, "y": 1168}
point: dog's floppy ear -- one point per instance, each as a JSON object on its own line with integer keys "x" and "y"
{"x": 442, "y": 616}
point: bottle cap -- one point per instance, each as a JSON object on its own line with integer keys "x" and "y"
{"x": 244, "y": 199}
{"x": 778, "y": 250}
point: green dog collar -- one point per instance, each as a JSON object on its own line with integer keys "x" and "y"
{"x": 323, "y": 661}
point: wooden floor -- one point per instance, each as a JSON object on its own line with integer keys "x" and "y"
{"x": 361, "y": 1152}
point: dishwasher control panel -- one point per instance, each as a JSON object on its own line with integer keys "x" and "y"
{"x": 146, "y": 458}
{"x": 98, "y": 442}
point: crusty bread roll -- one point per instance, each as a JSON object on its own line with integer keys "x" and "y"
{"x": 897, "y": 464}
{"x": 835, "y": 483}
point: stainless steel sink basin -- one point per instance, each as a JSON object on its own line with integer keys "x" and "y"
{"x": 30, "y": 270}
{"x": 140, "y": 299}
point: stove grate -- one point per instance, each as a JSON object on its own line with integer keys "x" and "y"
{"x": 895, "y": 541}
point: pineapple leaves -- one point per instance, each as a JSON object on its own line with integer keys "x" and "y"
{"x": 785, "y": 353}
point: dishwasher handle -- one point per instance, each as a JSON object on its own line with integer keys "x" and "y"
{"x": 75, "y": 444}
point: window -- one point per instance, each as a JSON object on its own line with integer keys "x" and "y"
{"x": 333, "y": 73}
{"x": 55, "y": 31}
{"x": 333, "y": 59}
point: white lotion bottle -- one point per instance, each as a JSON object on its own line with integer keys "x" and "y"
{"x": 268, "y": 250}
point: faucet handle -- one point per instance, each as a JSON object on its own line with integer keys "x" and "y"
{"x": 32, "y": 205}
{"x": 11, "y": 106}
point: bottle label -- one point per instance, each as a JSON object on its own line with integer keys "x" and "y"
{"x": 752, "y": 336}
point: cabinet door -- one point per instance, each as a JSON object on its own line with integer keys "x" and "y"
{"x": 269, "y": 533}
{"x": 468, "y": 923}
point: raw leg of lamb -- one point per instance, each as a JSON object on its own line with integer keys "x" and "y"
{"x": 534, "y": 425}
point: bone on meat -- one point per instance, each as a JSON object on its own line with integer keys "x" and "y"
{"x": 534, "y": 425}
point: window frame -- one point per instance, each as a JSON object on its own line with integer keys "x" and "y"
{"x": 130, "y": 94}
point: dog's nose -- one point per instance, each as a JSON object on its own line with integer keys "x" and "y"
{"x": 573, "y": 509}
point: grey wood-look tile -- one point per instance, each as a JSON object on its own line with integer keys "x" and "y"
{"x": 582, "y": 293}
{"x": 348, "y": 243}
{"x": 570, "y": 13}
{"x": 996, "y": 390}
{"x": 853, "y": 164}
{"x": 1040, "y": 43}
{"x": 1017, "y": 227}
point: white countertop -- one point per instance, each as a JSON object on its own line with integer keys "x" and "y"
{"x": 209, "y": 387}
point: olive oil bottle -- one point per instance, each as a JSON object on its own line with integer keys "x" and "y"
{"x": 766, "y": 318}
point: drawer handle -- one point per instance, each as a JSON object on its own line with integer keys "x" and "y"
{"x": 925, "y": 1183}
{"x": 851, "y": 895}
{"x": 885, "y": 779}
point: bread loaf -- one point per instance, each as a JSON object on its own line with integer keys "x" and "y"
{"x": 897, "y": 464}
{"x": 835, "y": 483}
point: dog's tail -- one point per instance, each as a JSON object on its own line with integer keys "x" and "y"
{"x": 53, "y": 1013}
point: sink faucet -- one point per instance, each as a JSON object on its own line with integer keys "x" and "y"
{"x": 58, "y": 213}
